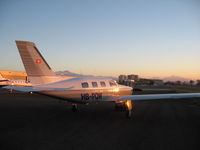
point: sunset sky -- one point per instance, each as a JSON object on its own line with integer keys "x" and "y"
{"x": 152, "y": 38}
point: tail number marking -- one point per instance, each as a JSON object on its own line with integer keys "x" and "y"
{"x": 92, "y": 96}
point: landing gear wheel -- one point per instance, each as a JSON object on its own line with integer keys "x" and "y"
{"x": 10, "y": 90}
{"x": 116, "y": 107}
{"x": 74, "y": 108}
{"x": 120, "y": 107}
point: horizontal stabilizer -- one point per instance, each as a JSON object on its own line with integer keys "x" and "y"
{"x": 35, "y": 89}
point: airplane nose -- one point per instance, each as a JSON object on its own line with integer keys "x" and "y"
{"x": 126, "y": 87}
{"x": 130, "y": 88}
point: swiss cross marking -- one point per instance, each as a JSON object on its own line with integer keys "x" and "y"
{"x": 38, "y": 61}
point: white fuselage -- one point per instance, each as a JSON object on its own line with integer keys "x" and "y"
{"x": 87, "y": 89}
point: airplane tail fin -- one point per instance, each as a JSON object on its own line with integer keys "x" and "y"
{"x": 38, "y": 71}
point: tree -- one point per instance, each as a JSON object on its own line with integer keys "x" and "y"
{"x": 198, "y": 82}
{"x": 191, "y": 82}
{"x": 178, "y": 83}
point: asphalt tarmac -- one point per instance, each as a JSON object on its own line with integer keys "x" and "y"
{"x": 37, "y": 122}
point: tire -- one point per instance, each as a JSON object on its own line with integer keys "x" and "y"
{"x": 74, "y": 108}
{"x": 120, "y": 107}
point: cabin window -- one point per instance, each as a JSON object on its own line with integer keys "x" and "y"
{"x": 112, "y": 83}
{"x": 103, "y": 84}
{"x": 85, "y": 85}
{"x": 94, "y": 84}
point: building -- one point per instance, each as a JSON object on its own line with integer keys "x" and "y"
{"x": 122, "y": 79}
{"x": 133, "y": 77}
{"x": 154, "y": 82}
{"x": 143, "y": 81}
{"x": 157, "y": 82}
{"x": 128, "y": 80}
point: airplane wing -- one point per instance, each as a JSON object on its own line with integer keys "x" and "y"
{"x": 35, "y": 89}
{"x": 158, "y": 96}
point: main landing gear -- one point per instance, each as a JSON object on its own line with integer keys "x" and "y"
{"x": 74, "y": 107}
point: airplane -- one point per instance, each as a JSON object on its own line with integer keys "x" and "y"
{"x": 2, "y": 81}
{"x": 79, "y": 90}
{"x": 8, "y": 82}
{"x": 2, "y": 78}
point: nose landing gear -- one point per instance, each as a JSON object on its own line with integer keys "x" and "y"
{"x": 129, "y": 108}
{"x": 125, "y": 106}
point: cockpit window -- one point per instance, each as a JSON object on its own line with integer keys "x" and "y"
{"x": 85, "y": 85}
{"x": 103, "y": 84}
{"x": 94, "y": 84}
{"x": 113, "y": 83}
